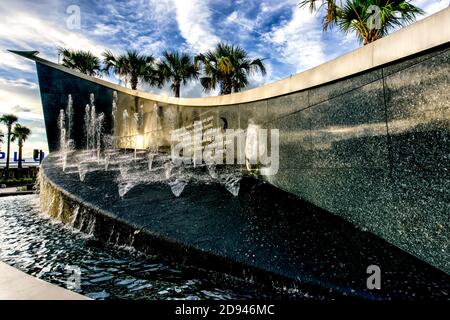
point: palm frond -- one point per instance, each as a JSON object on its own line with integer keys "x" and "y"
{"x": 82, "y": 61}
{"x": 229, "y": 66}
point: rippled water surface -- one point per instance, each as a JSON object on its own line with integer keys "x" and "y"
{"x": 32, "y": 242}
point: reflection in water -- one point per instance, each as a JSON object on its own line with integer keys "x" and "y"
{"x": 46, "y": 249}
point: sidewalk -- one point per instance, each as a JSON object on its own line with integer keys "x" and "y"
{"x": 17, "y": 285}
{"x": 12, "y": 191}
{"x": 8, "y": 190}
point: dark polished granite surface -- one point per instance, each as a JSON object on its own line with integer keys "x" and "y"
{"x": 263, "y": 228}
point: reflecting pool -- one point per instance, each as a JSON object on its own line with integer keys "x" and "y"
{"x": 39, "y": 246}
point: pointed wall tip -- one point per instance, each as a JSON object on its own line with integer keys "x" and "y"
{"x": 26, "y": 54}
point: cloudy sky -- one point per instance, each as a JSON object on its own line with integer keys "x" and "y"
{"x": 289, "y": 38}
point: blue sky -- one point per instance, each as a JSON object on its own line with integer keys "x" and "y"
{"x": 289, "y": 38}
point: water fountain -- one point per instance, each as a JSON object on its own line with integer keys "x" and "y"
{"x": 125, "y": 127}
{"x": 63, "y": 143}
{"x": 114, "y": 112}
{"x": 150, "y": 157}
{"x": 62, "y": 132}
{"x": 143, "y": 167}
{"x": 177, "y": 186}
{"x": 92, "y": 128}
{"x": 136, "y": 121}
{"x": 69, "y": 117}
{"x": 87, "y": 122}
{"x": 98, "y": 133}
{"x": 266, "y": 228}
{"x": 65, "y": 123}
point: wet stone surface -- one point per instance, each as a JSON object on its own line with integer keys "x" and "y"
{"x": 49, "y": 250}
{"x": 264, "y": 228}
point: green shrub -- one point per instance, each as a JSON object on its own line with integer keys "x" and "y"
{"x": 14, "y": 181}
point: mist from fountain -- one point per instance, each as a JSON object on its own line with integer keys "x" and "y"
{"x": 141, "y": 116}
{"x": 98, "y": 133}
{"x": 92, "y": 128}
{"x": 62, "y": 132}
{"x": 65, "y": 144}
{"x": 135, "y": 130}
{"x": 125, "y": 127}
{"x": 82, "y": 170}
{"x": 87, "y": 122}
{"x": 140, "y": 167}
{"x": 69, "y": 117}
{"x": 177, "y": 186}
{"x": 150, "y": 157}
{"x": 114, "y": 120}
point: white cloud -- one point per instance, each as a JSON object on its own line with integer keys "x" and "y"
{"x": 29, "y": 30}
{"x": 161, "y": 11}
{"x": 237, "y": 18}
{"x": 194, "y": 21}
{"x": 28, "y": 109}
{"x": 431, "y": 6}
{"x": 102, "y": 29}
{"x": 298, "y": 42}
{"x": 18, "y": 83}
{"x": 20, "y": 93}
{"x": 148, "y": 45}
{"x": 12, "y": 61}
{"x": 192, "y": 90}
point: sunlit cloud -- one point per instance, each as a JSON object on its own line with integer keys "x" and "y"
{"x": 29, "y": 29}
{"x": 194, "y": 22}
{"x": 299, "y": 41}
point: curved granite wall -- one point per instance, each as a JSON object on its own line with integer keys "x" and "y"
{"x": 375, "y": 150}
{"x": 371, "y": 146}
{"x": 267, "y": 235}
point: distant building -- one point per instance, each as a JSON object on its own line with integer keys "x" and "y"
{"x": 30, "y": 166}
{"x": 14, "y": 160}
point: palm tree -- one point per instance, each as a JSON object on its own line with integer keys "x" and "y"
{"x": 178, "y": 69}
{"x": 20, "y": 133}
{"x": 360, "y": 17}
{"x": 1, "y": 139}
{"x": 132, "y": 66}
{"x": 229, "y": 66}
{"x": 8, "y": 120}
{"x": 331, "y": 7}
{"x": 82, "y": 61}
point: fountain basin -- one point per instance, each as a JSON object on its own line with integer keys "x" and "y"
{"x": 263, "y": 234}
